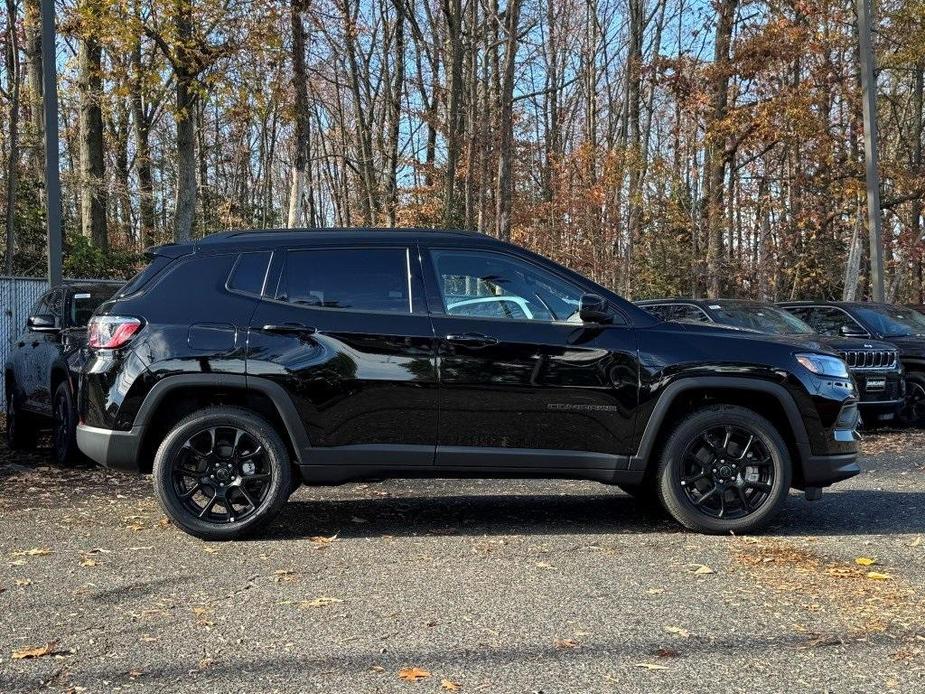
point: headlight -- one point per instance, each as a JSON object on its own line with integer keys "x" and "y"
{"x": 824, "y": 365}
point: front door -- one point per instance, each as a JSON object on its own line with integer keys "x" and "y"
{"x": 345, "y": 331}
{"x": 523, "y": 382}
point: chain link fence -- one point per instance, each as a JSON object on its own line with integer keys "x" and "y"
{"x": 17, "y": 296}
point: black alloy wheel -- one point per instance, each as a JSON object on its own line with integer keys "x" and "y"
{"x": 64, "y": 426}
{"x": 724, "y": 469}
{"x": 222, "y": 473}
{"x": 913, "y": 410}
{"x": 727, "y": 472}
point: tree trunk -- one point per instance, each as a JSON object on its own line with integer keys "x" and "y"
{"x": 32, "y": 28}
{"x": 505, "y": 186}
{"x": 453, "y": 11}
{"x": 12, "y": 172}
{"x": 394, "y": 114}
{"x": 715, "y": 155}
{"x": 300, "y": 115}
{"x": 185, "y": 105}
{"x": 364, "y": 132}
{"x": 92, "y": 166}
{"x": 633, "y": 149}
{"x": 141, "y": 123}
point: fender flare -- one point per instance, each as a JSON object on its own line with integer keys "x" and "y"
{"x": 274, "y": 391}
{"x": 670, "y": 394}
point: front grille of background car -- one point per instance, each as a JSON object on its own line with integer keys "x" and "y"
{"x": 870, "y": 359}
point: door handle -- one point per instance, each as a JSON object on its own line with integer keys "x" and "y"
{"x": 289, "y": 329}
{"x": 473, "y": 340}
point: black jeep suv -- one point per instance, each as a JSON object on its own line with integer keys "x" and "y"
{"x": 899, "y": 325}
{"x": 243, "y": 362}
{"x": 41, "y": 373}
{"x": 875, "y": 366}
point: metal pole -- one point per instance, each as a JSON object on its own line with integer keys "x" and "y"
{"x": 869, "y": 89}
{"x": 52, "y": 171}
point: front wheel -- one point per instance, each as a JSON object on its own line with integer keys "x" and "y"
{"x": 724, "y": 469}
{"x": 912, "y": 412}
{"x": 222, "y": 473}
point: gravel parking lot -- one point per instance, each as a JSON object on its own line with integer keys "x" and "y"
{"x": 494, "y": 586}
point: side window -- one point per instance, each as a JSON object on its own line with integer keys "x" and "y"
{"x": 827, "y": 320}
{"x": 357, "y": 279}
{"x": 493, "y": 285}
{"x": 662, "y": 311}
{"x": 56, "y": 304}
{"x": 249, "y": 273}
{"x": 689, "y": 312}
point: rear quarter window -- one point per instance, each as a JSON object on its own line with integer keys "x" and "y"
{"x": 139, "y": 281}
{"x": 249, "y": 273}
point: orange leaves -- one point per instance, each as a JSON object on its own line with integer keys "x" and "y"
{"x": 413, "y": 674}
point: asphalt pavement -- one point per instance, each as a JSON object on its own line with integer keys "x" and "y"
{"x": 470, "y": 586}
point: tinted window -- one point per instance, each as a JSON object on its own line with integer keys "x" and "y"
{"x": 760, "y": 317}
{"x": 474, "y": 283}
{"x": 359, "y": 279}
{"x": 827, "y": 320}
{"x": 662, "y": 311}
{"x": 689, "y": 312}
{"x": 85, "y": 302}
{"x": 892, "y": 321}
{"x": 249, "y": 272}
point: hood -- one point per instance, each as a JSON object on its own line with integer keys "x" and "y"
{"x": 810, "y": 343}
{"x": 909, "y": 345}
{"x": 853, "y": 344}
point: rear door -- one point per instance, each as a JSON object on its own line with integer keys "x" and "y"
{"x": 345, "y": 331}
{"x": 523, "y": 382}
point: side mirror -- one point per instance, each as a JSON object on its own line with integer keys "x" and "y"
{"x": 42, "y": 323}
{"x": 593, "y": 309}
{"x": 852, "y": 331}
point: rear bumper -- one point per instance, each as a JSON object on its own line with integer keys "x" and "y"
{"x": 825, "y": 470}
{"x": 113, "y": 449}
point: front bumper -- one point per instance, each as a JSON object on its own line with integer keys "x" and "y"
{"x": 110, "y": 448}
{"x": 825, "y": 470}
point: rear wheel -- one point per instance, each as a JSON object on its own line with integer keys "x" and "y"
{"x": 21, "y": 430}
{"x": 724, "y": 469}
{"x": 222, "y": 473}
{"x": 64, "y": 426}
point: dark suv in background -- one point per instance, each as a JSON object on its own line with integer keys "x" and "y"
{"x": 901, "y": 326}
{"x": 240, "y": 364}
{"x": 875, "y": 365}
{"x": 40, "y": 375}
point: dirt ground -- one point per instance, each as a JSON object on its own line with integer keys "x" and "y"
{"x": 475, "y": 586}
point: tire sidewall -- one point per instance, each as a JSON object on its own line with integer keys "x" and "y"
{"x": 907, "y": 415}
{"x": 67, "y": 454}
{"x": 673, "y": 495}
{"x": 277, "y": 457}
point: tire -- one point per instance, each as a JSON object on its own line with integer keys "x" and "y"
{"x": 21, "y": 431}
{"x": 64, "y": 426}
{"x": 204, "y": 464}
{"x": 912, "y": 412}
{"x": 752, "y": 464}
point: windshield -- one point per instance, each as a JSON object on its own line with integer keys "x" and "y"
{"x": 892, "y": 321}
{"x": 85, "y": 301}
{"x": 766, "y": 319}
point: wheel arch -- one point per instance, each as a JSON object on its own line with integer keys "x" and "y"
{"x": 174, "y": 397}
{"x": 771, "y": 400}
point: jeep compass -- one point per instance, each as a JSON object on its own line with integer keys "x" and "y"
{"x": 238, "y": 366}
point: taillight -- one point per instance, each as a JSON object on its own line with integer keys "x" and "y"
{"x": 111, "y": 332}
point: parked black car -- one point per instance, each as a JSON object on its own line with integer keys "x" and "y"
{"x": 875, "y": 366}
{"x": 237, "y": 364}
{"x": 899, "y": 325}
{"x": 42, "y": 370}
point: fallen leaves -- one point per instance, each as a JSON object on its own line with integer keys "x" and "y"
{"x": 651, "y": 666}
{"x": 565, "y": 644}
{"x": 449, "y": 685}
{"x": 322, "y": 542}
{"x": 700, "y": 569}
{"x": 34, "y": 552}
{"x": 282, "y": 575}
{"x": 413, "y": 674}
{"x": 865, "y": 561}
{"x": 322, "y": 601}
{"x": 879, "y": 576}
{"x": 678, "y": 631}
{"x": 30, "y": 652}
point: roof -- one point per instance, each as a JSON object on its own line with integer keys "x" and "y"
{"x": 700, "y": 302}
{"x": 282, "y": 236}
